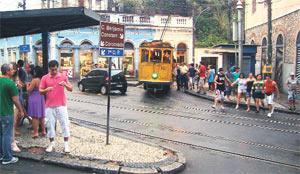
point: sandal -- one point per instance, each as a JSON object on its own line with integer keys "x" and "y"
{"x": 15, "y": 147}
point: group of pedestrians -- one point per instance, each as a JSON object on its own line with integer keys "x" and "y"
{"x": 234, "y": 83}
{"x": 39, "y": 98}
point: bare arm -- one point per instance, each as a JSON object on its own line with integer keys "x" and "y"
{"x": 69, "y": 86}
{"x": 16, "y": 101}
{"x": 31, "y": 85}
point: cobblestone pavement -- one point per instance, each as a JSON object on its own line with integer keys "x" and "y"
{"x": 90, "y": 144}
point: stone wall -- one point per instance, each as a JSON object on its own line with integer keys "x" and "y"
{"x": 289, "y": 27}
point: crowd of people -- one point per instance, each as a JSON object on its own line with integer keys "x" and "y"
{"x": 234, "y": 83}
{"x": 26, "y": 93}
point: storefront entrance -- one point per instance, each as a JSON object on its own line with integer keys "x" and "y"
{"x": 67, "y": 59}
{"x": 128, "y": 60}
{"x": 86, "y": 58}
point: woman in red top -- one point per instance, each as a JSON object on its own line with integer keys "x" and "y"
{"x": 270, "y": 89}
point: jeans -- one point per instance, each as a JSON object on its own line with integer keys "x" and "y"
{"x": 6, "y": 132}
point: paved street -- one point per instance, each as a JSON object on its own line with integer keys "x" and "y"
{"x": 210, "y": 140}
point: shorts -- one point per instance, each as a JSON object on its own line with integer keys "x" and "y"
{"x": 258, "y": 95}
{"x": 228, "y": 91}
{"x": 292, "y": 95}
{"x": 243, "y": 91}
{"x": 220, "y": 95}
{"x": 192, "y": 80}
{"x": 248, "y": 94}
{"x": 201, "y": 81}
{"x": 269, "y": 99}
{"x": 59, "y": 113}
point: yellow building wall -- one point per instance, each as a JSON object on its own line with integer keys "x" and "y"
{"x": 259, "y": 16}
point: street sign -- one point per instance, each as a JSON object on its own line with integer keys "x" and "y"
{"x": 111, "y": 45}
{"x": 111, "y": 35}
{"x": 111, "y": 52}
{"x": 111, "y": 39}
{"x": 24, "y": 48}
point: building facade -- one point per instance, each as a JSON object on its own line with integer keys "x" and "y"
{"x": 285, "y": 36}
{"x": 77, "y": 50}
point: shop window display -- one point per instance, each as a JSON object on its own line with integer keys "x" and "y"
{"x": 86, "y": 62}
{"x": 128, "y": 60}
{"x": 67, "y": 62}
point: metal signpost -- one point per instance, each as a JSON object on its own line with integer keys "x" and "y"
{"x": 111, "y": 45}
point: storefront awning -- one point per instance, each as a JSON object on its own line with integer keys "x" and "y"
{"x": 18, "y": 23}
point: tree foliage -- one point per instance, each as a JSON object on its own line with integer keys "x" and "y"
{"x": 211, "y": 26}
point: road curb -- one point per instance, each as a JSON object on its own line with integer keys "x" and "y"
{"x": 173, "y": 163}
{"x": 228, "y": 103}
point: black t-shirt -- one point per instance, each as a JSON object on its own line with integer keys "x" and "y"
{"x": 221, "y": 79}
{"x": 22, "y": 75}
{"x": 249, "y": 85}
{"x": 192, "y": 72}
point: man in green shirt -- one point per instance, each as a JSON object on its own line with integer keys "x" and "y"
{"x": 8, "y": 97}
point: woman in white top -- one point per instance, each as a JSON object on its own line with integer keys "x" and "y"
{"x": 242, "y": 88}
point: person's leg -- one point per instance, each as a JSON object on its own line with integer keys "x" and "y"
{"x": 14, "y": 145}
{"x": 65, "y": 127}
{"x": 1, "y": 138}
{"x": 50, "y": 116}
{"x": 248, "y": 103}
{"x": 35, "y": 125}
{"x": 238, "y": 100}
{"x": 42, "y": 123}
{"x": 7, "y": 133}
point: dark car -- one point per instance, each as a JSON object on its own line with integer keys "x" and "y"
{"x": 97, "y": 79}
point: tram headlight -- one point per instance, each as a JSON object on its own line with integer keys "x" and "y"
{"x": 154, "y": 75}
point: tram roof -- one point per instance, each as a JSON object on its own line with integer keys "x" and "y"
{"x": 156, "y": 44}
{"x": 18, "y": 23}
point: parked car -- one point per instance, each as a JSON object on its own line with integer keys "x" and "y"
{"x": 97, "y": 79}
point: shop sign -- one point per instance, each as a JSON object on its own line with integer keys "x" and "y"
{"x": 111, "y": 39}
{"x": 24, "y": 48}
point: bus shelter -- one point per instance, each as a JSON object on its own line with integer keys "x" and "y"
{"x": 20, "y": 23}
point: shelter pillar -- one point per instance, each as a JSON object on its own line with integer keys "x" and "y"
{"x": 45, "y": 38}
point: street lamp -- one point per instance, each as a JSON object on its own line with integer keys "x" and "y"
{"x": 194, "y": 28}
{"x": 239, "y": 8}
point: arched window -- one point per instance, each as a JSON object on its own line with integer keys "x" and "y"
{"x": 279, "y": 60}
{"x": 181, "y": 52}
{"x": 298, "y": 56}
{"x": 128, "y": 46}
{"x": 264, "y": 52}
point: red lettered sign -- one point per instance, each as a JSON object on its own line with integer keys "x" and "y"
{"x": 111, "y": 35}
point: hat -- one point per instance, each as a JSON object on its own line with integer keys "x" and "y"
{"x": 292, "y": 74}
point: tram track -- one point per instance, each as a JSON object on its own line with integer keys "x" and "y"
{"x": 241, "y": 155}
{"x": 156, "y": 111}
{"x": 182, "y": 131}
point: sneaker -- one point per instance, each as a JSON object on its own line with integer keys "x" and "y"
{"x": 50, "y": 147}
{"x": 213, "y": 106}
{"x": 222, "y": 107}
{"x": 67, "y": 148}
{"x": 13, "y": 160}
{"x": 269, "y": 115}
{"x": 237, "y": 107}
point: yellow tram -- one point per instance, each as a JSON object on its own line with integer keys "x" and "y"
{"x": 155, "y": 65}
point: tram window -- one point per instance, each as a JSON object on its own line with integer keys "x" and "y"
{"x": 155, "y": 56}
{"x": 145, "y": 55}
{"x": 167, "y": 56}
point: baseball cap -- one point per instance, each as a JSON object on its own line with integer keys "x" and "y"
{"x": 292, "y": 74}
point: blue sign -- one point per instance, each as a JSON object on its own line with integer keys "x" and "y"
{"x": 24, "y": 48}
{"x": 111, "y": 52}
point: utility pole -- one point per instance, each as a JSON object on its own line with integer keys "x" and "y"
{"x": 240, "y": 32}
{"x": 269, "y": 3}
